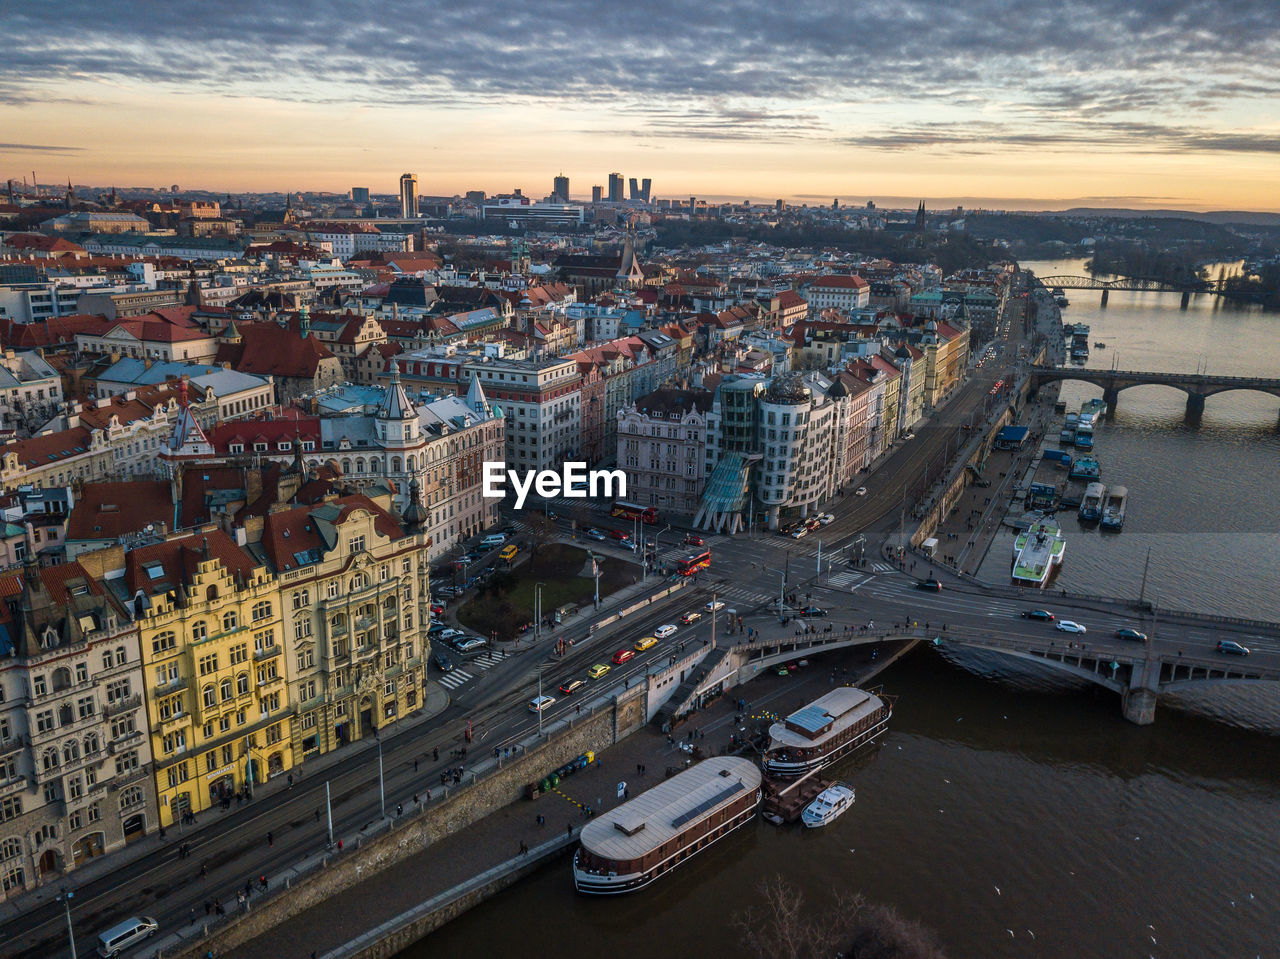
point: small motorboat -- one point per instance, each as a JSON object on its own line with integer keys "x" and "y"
{"x": 828, "y": 806}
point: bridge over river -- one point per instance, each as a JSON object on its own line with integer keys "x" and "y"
{"x": 1132, "y": 284}
{"x": 1197, "y": 386}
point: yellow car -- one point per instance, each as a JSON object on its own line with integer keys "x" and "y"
{"x": 647, "y": 643}
{"x": 598, "y": 670}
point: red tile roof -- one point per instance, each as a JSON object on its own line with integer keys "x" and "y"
{"x": 268, "y": 349}
{"x": 180, "y": 559}
{"x": 40, "y": 451}
{"x": 110, "y": 510}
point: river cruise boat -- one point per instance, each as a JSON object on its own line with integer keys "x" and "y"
{"x": 1113, "y": 508}
{"x": 1091, "y": 508}
{"x": 1085, "y": 468}
{"x": 829, "y": 728}
{"x": 1037, "y": 553}
{"x": 630, "y": 846}
{"x": 830, "y": 805}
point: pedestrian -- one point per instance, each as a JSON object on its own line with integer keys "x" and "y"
{"x": 263, "y": 881}
{"x": 415, "y": 800}
{"x": 415, "y": 765}
{"x": 208, "y": 907}
{"x": 204, "y": 870}
{"x": 435, "y": 754}
{"x": 317, "y": 815}
{"x": 218, "y": 910}
{"x": 568, "y": 829}
{"x": 399, "y": 810}
{"x": 290, "y": 780}
{"x": 428, "y": 794}
{"x": 271, "y": 839}
{"x": 339, "y": 845}
{"x": 524, "y": 847}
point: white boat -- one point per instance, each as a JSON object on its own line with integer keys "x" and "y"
{"x": 1037, "y": 552}
{"x": 1113, "y": 508}
{"x": 828, "y": 806}
{"x": 1091, "y": 506}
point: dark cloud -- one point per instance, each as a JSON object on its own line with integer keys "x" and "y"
{"x": 39, "y": 148}
{"x": 1054, "y": 71}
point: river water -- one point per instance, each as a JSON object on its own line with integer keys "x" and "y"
{"x": 1014, "y": 812}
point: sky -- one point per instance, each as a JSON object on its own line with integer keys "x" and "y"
{"x": 1039, "y": 104}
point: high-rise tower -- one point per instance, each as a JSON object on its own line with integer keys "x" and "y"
{"x": 409, "y": 195}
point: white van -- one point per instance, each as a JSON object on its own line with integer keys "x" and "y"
{"x": 126, "y": 934}
{"x": 492, "y": 540}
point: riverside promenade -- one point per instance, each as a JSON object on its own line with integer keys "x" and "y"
{"x": 495, "y": 841}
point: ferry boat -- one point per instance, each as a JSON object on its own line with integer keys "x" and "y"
{"x": 1037, "y": 553}
{"x": 631, "y": 845}
{"x": 1091, "y": 507}
{"x": 830, "y": 804}
{"x": 1113, "y": 508}
{"x": 829, "y": 728}
{"x": 1085, "y": 468}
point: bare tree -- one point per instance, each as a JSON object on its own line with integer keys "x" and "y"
{"x": 786, "y": 927}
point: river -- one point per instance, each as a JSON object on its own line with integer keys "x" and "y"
{"x": 1006, "y": 803}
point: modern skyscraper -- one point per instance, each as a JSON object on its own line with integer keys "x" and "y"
{"x": 409, "y": 195}
{"x": 634, "y": 188}
{"x": 615, "y": 188}
{"x": 597, "y": 194}
{"x": 646, "y": 186}
{"x": 359, "y": 194}
{"x": 561, "y": 188}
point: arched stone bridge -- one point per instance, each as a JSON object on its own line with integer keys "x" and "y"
{"x": 1197, "y": 386}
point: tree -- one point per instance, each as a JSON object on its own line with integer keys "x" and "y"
{"x": 784, "y": 927}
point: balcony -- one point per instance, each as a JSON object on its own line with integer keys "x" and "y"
{"x": 125, "y": 779}
{"x": 122, "y": 705}
{"x": 13, "y": 786}
{"x": 267, "y": 652}
{"x": 168, "y": 689}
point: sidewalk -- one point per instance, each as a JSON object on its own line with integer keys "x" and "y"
{"x": 435, "y": 700}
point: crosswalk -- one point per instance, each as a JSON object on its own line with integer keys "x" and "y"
{"x": 883, "y": 568}
{"x": 459, "y": 677}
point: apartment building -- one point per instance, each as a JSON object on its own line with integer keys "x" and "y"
{"x": 541, "y": 400}
{"x": 661, "y": 443}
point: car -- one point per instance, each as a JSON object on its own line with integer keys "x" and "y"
{"x": 437, "y": 609}
{"x": 1069, "y": 626}
{"x": 622, "y": 655}
{"x": 598, "y": 670}
{"x": 665, "y": 630}
{"x": 571, "y": 686}
{"x": 713, "y": 607}
{"x": 783, "y": 671}
{"x": 692, "y": 540}
{"x": 617, "y": 534}
{"x": 910, "y": 436}
{"x": 627, "y": 543}
{"x": 791, "y": 667}
{"x": 647, "y": 642}
{"x": 812, "y": 523}
{"x": 541, "y": 703}
{"x": 813, "y": 611}
{"x": 1038, "y": 614}
{"x": 1124, "y": 632}
{"x": 688, "y": 619}
{"x": 466, "y": 559}
{"x": 1231, "y": 646}
{"x": 464, "y": 645}
{"x": 800, "y": 533}
{"x": 826, "y": 519}
{"x": 932, "y": 585}
{"x": 450, "y": 632}
{"x": 860, "y": 491}
{"x": 596, "y": 534}
{"x": 442, "y": 662}
{"x": 436, "y": 629}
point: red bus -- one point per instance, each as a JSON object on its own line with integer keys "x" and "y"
{"x": 691, "y": 564}
{"x": 646, "y": 514}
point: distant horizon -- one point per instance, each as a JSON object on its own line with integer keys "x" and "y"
{"x": 883, "y": 202}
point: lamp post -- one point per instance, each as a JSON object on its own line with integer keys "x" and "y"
{"x": 655, "y": 542}
{"x": 537, "y": 611}
{"x": 541, "y": 666}
{"x": 328, "y": 809}
{"x": 65, "y": 897}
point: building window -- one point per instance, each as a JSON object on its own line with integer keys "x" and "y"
{"x": 209, "y": 697}
{"x": 230, "y": 621}
{"x": 208, "y": 664}
{"x": 261, "y": 611}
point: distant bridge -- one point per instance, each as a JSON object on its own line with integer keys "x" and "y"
{"x": 1131, "y": 284}
{"x": 1197, "y": 386}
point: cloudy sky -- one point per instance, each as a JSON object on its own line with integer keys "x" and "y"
{"x": 1039, "y": 103}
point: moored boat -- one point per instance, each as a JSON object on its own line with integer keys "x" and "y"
{"x": 1091, "y": 506}
{"x": 829, "y": 728}
{"x": 829, "y": 805}
{"x": 1113, "y": 508}
{"x": 1085, "y": 468}
{"x": 1037, "y": 553}
{"x": 631, "y": 845}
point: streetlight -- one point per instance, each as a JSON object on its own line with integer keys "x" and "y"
{"x": 65, "y": 897}
{"x": 537, "y": 610}
{"x": 541, "y": 667}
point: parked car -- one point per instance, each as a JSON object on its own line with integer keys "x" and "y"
{"x": 449, "y": 632}
{"x": 932, "y": 585}
{"x": 667, "y": 629}
{"x": 571, "y": 686}
{"x": 813, "y": 611}
{"x": 1231, "y": 646}
{"x": 1069, "y": 626}
{"x": 467, "y": 645}
{"x": 436, "y": 629}
{"x": 783, "y": 671}
{"x": 688, "y": 619}
{"x": 1124, "y": 632}
{"x": 1038, "y": 614}
{"x": 595, "y": 534}
{"x": 437, "y": 609}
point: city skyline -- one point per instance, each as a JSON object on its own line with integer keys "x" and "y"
{"x": 1034, "y": 108}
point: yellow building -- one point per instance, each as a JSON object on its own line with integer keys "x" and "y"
{"x": 354, "y": 581}
{"x": 947, "y": 354}
{"x": 209, "y": 619}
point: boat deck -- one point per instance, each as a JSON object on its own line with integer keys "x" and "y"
{"x": 785, "y": 803}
